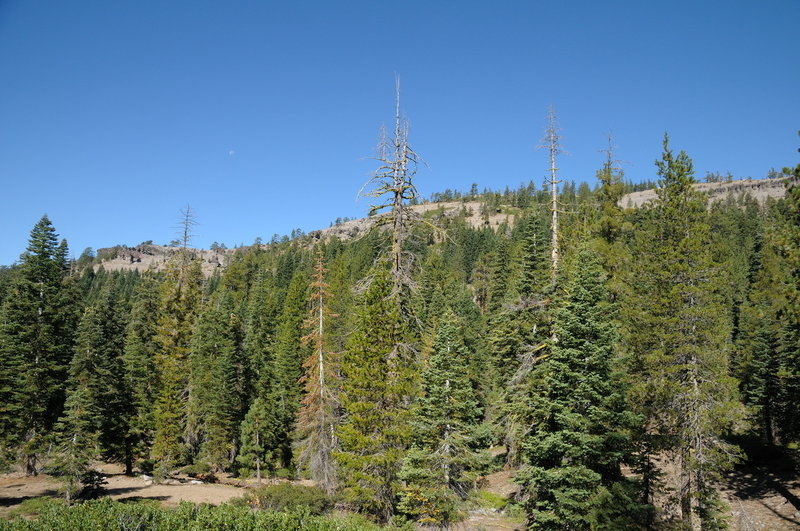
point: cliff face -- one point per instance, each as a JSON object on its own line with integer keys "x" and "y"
{"x": 759, "y": 190}
{"x": 155, "y": 257}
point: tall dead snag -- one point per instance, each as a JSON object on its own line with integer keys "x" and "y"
{"x": 552, "y": 142}
{"x": 317, "y": 420}
{"x": 393, "y": 185}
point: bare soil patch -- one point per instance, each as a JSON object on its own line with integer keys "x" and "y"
{"x": 762, "y": 497}
{"x": 16, "y": 488}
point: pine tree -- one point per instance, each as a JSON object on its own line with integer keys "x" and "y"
{"x": 679, "y": 337}
{"x": 316, "y": 424}
{"x": 442, "y": 464}
{"x": 577, "y": 439}
{"x": 36, "y": 339}
{"x": 180, "y": 301}
{"x": 377, "y": 382}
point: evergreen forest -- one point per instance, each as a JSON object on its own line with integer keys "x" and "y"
{"x": 618, "y": 361}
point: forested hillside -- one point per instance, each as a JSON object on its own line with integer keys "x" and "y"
{"x": 616, "y": 364}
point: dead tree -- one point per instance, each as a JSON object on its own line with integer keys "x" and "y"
{"x": 552, "y": 142}
{"x": 186, "y": 224}
{"x": 392, "y": 184}
{"x": 317, "y": 418}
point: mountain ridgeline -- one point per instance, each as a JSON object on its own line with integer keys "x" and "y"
{"x": 477, "y": 210}
{"x": 398, "y": 359}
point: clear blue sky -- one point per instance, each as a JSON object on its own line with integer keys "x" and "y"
{"x": 261, "y": 115}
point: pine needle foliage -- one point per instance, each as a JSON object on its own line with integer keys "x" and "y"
{"x": 679, "y": 336}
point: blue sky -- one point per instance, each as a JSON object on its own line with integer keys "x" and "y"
{"x": 262, "y": 115}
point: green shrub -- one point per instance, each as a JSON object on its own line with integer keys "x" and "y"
{"x": 33, "y": 506}
{"x": 284, "y": 473}
{"x": 429, "y": 505}
{"x": 109, "y": 515}
{"x": 488, "y": 500}
{"x": 289, "y": 497}
{"x": 196, "y": 469}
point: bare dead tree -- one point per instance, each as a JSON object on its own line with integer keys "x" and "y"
{"x": 552, "y": 142}
{"x": 392, "y": 184}
{"x": 185, "y": 232}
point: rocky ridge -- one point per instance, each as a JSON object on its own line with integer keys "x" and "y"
{"x": 145, "y": 257}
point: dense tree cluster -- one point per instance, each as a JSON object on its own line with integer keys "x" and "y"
{"x": 388, "y": 367}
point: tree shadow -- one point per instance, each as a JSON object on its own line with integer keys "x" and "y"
{"x": 116, "y": 491}
{"x": 768, "y": 472}
{"x": 137, "y": 499}
{"x": 9, "y": 501}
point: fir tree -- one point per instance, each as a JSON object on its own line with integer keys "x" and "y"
{"x": 534, "y": 257}
{"x": 377, "y": 382}
{"x": 262, "y": 312}
{"x": 139, "y": 364}
{"x": 96, "y": 410}
{"x": 36, "y": 339}
{"x": 78, "y": 439}
{"x": 393, "y": 186}
{"x": 97, "y": 363}
{"x": 257, "y": 440}
{"x": 577, "y": 440}
{"x": 217, "y": 383}
{"x": 481, "y": 282}
{"x": 759, "y": 359}
{"x": 609, "y": 223}
{"x": 443, "y": 462}
{"x": 789, "y": 339}
{"x": 286, "y": 390}
{"x": 501, "y": 273}
{"x": 257, "y": 431}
